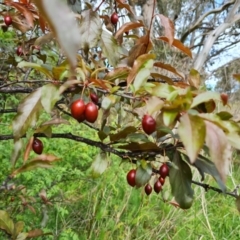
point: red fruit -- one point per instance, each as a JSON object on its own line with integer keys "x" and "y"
{"x": 162, "y": 180}
{"x": 148, "y": 124}
{"x": 91, "y": 112}
{"x": 131, "y": 177}
{"x": 8, "y": 20}
{"x": 19, "y": 51}
{"x": 94, "y": 98}
{"x": 37, "y": 146}
{"x": 157, "y": 187}
{"x": 224, "y": 98}
{"x": 127, "y": 32}
{"x": 164, "y": 170}
{"x": 114, "y": 18}
{"x": 77, "y": 110}
{"x": 148, "y": 189}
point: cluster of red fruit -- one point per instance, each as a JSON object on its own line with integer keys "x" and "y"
{"x": 81, "y": 111}
{"x": 8, "y": 21}
{"x": 163, "y": 172}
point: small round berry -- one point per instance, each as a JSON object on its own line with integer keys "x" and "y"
{"x": 131, "y": 177}
{"x": 37, "y": 146}
{"x": 77, "y": 110}
{"x": 114, "y": 18}
{"x": 157, "y": 187}
{"x": 164, "y": 170}
{"x": 91, "y": 112}
{"x": 94, "y": 97}
{"x": 148, "y": 124}
{"x": 148, "y": 189}
{"x": 8, "y": 20}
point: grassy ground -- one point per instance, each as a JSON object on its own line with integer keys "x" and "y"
{"x": 108, "y": 208}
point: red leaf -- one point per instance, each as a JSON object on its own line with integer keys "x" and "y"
{"x": 128, "y": 26}
{"x": 219, "y": 148}
{"x": 22, "y": 9}
{"x": 42, "y": 23}
{"x": 35, "y": 233}
{"x": 28, "y": 149}
{"x": 178, "y": 44}
{"x": 168, "y": 26}
{"x": 169, "y": 68}
{"x": 32, "y": 209}
{"x": 121, "y": 4}
{"x": 99, "y": 83}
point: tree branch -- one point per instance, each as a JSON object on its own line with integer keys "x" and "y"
{"x": 230, "y": 19}
{"x": 199, "y": 21}
{"x": 104, "y": 147}
{"x": 208, "y": 187}
{"x": 8, "y": 110}
{"x": 123, "y": 154}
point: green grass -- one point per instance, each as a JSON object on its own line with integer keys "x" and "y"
{"x": 107, "y": 207}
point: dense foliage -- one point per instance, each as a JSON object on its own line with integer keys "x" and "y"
{"x": 96, "y": 79}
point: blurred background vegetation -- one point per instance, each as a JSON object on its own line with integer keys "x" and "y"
{"x": 107, "y": 207}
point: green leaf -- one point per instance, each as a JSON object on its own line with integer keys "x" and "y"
{"x": 28, "y": 113}
{"x": 169, "y": 117}
{"x": 153, "y": 104}
{"x": 226, "y": 126}
{"x": 6, "y": 223}
{"x": 225, "y": 115}
{"x": 102, "y": 135}
{"x": 194, "y": 78}
{"x": 64, "y": 25}
{"x": 204, "y": 165}
{"x": 192, "y": 132}
{"x": 205, "y": 97}
{"x": 123, "y": 133}
{"x": 18, "y": 228}
{"x": 17, "y": 149}
{"x": 144, "y": 60}
{"x": 141, "y": 78}
{"x": 162, "y": 90}
{"x": 219, "y": 148}
{"x": 234, "y": 139}
{"x": 180, "y": 177}
{"x": 37, "y": 67}
{"x": 117, "y": 73}
{"x": 99, "y": 164}
{"x": 237, "y": 202}
{"x": 22, "y": 236}
{"x": 137, "y": 137}
{"x": 108, "y": 102}
{"x": 111, "y": 50}
{"x": 50, "y": 95}
{"x": 172, "y": 96}
{"x": 143, "y": 174}
{"x": 90, "y": 29}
